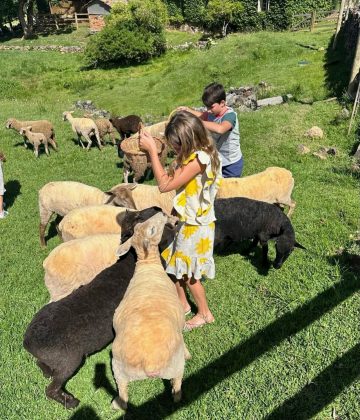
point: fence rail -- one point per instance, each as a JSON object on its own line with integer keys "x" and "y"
{"x": 309, "y": 20}
{"x": 48, "y": 22}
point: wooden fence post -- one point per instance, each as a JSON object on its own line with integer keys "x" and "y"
{"x": 355, "y": 69}
{"x": 76, "y": 21}
{"x": 341, "y": 11}
{"x": 312, "y": 21}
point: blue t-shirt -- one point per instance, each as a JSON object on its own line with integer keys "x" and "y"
{"x": 228, "y": 144}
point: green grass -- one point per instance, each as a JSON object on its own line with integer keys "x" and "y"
{"x": 285, "y": 343}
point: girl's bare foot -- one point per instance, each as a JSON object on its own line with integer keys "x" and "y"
{"x": 199, "y": 320}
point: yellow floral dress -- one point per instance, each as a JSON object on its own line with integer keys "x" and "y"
{"x": 191, "y": 252}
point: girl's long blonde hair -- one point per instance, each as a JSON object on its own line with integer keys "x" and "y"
{"x": 189, "y": 134}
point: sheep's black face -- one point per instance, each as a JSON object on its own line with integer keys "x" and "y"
{"x": 132, "y": 218}
{"x": 281, "y": 258}
{"x": 9, "y": 124}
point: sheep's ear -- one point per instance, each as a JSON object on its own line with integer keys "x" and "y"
{"x": 297, "y": 245}
{"x": 124, "y": 248}
{"x": 131, "y": 186}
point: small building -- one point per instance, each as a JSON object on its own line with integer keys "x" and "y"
{"x": 97, "y": 10}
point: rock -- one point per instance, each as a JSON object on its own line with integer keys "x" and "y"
{"x": 302, "y": 149}
{"x": 320, "y": 155}
{"x": 315, "y": 132}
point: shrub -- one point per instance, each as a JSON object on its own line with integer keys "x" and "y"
{"x": 134, "y": 32}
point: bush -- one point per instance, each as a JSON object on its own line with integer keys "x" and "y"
{"x": 134, "y": 33}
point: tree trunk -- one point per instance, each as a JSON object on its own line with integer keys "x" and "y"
{"x": 26, "y": 17}
{"x": 10, "y": 25}
{"x": 224, "y": 29}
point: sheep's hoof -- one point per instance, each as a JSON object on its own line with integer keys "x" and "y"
{"x": 177, "y": 396}
{"x": 118, "y": 404}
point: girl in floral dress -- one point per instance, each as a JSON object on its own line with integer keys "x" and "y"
{"x": 195, "y": 177}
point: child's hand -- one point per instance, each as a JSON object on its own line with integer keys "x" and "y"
{"x": 146, "y": 142}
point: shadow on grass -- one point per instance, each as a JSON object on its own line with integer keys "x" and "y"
{"x": 306, "y": 403}
{"x": 254, "y": 256}
{"x": 338, "y": 64}
{"x": 85, "y": 413}
{"x": 13, "y": 188}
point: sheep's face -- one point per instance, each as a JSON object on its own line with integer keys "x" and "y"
{"x": 121, "y": 196}
{"x": 130, "y": 219}
{"x": 284, "y": 247}
{"x": 156, "y": 230}
{"x": 9, "y": 123}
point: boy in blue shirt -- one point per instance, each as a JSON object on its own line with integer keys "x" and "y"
{"x": 223, "y": 123}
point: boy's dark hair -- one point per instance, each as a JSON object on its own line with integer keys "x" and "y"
{"x": 213, "y": 93}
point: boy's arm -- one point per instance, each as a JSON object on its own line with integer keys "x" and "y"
{"x": 219, "y": 128}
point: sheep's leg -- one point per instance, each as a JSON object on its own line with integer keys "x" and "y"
{"x": 46, "y": 370}
{"x": 126, "y": 175}
{"x": 46, "y": 149}
{"x": 36, "y": 150}
{"x": 80, "y": 141}
{"x": 176, "y": 388}
{"x": 88, "y": 139}
{"x": 53, "y": 144}
{"x": 55, "y": 392}
{"x": 265, "y": 250}
{"x": 292, "y": 206}
{"x": 25, "y": 144}
{"x": 98, "y": 140}
{"x": 252, "y": 245}
{"x": 187, "y": 354}
{"x": 121, "y": 401}
{"x": 45, "y": 216}
{"x": 113, "y": 138}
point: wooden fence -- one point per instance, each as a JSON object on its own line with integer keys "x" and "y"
{"x": 51, "y": 22}
{"x": 310, "y": 20}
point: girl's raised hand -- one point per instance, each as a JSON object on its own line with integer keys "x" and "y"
{"x": 146, "y": 142}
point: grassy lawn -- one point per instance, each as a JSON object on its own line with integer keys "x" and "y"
{"x": 285, "y": 344}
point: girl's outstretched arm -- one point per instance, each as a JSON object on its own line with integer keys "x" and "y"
{"x": 165, "y": 182}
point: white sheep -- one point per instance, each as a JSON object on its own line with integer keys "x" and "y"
{"x": 75, "y": 263}
{"x": 274, "y": 186}
{"x": 35, "y": 139}
{"x": 85, "y": 127}
{"x": 61, "y": 197}
{"x": 91, "y": 220}
{"x": 38, "y": 126}
{"x": 149, "y": 321}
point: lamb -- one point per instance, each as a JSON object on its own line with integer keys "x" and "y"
{"x": 144, "y": 196}
{"x": 35, "y": 139}
{"x": 41, "y": 126}
{"x": 60, "y": 197}
{"x": 79, "y": 325}
{"x": 105, "y": 127}
{"x": 274, "y": 185}
{"x": 91, "y": 220}
{"x": 241, "y": 218}
{"x": 127, "y": 125}
{"x": 149, "y": 321}
{"x": 75, "y": 263}
{"x": 83, "y": 127}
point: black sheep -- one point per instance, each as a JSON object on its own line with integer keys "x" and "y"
{"x": 62, "y": 333}
{"x": 241, "y": 218}
{"x": 126, "y": 126}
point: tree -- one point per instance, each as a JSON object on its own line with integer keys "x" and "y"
{"x": 134, "y": 33}
{"x": 26, "y": 17}
{"x": 220, "y": 13}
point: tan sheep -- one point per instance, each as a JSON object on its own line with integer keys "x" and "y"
{"x": 149, "y": 321}
{"x": 41, "y": 126}
{"x": 75, "y": 263}
{"x": 83, "y": 127}
{"x": 61, "y": 197}
{"x": 145, "y": 196}
{"x": 105, "y": 127}
{"x": 36, "y": 139}
{"x": 91, "y": 220}
{"x": 274, "y": 185}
